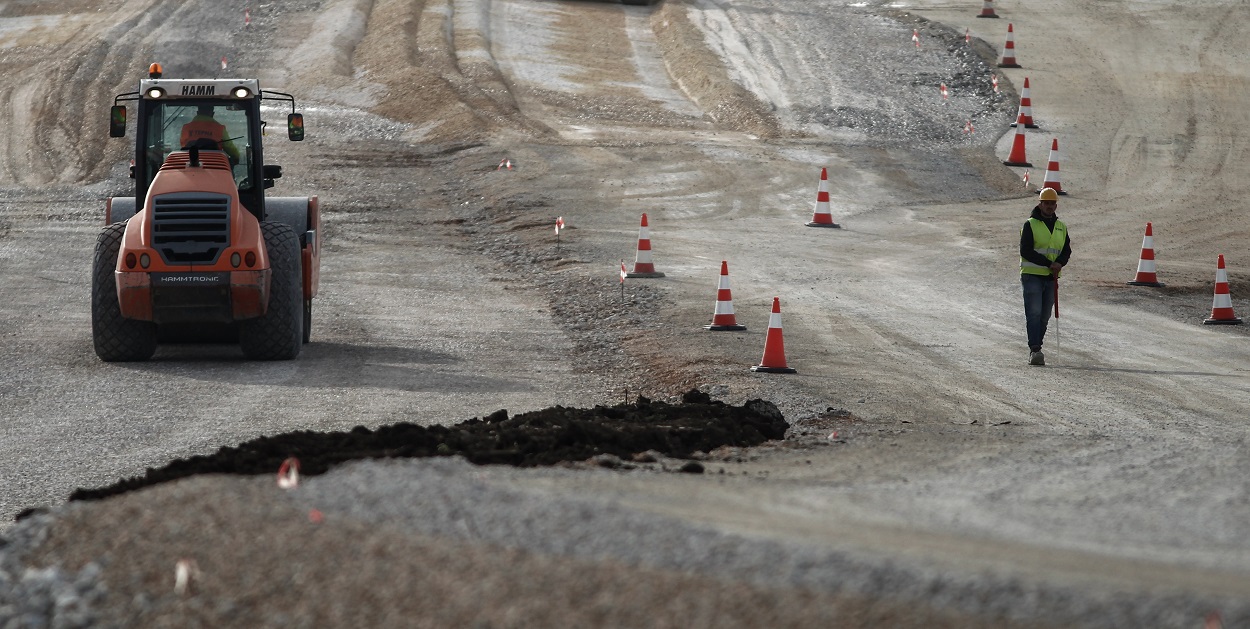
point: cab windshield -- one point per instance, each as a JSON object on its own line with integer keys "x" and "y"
{"x": 184, "y": 124}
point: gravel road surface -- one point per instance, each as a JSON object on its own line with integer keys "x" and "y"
{"x": 963, "y": 488}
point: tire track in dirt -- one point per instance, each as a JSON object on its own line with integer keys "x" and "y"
{"x": 52, "y": 134}
{"x": 58, "y": 136}
{"x": 424, "y": 63}
{"x": 702, "y": 76}
{"x": 441, "y": 66}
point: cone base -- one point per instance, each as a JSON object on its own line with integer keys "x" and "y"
{"x": 815, "y": 224}
{"x": 1028, "y": 126}
{"x": 763, "y": 369}
{"x": 994, "y": 16}
{"x": 1233, "y": 321}
{"x": 724, "y": 328}
{"x": 1140, "y": 283}
{"x": 1010, "y": 65}
{"x": 1020, "y": 164}
{"x": 654, "y": 274}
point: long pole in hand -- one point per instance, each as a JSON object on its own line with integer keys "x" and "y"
{"x": 1056, "y": 312}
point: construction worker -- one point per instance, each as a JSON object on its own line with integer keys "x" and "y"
{"x": 1044, "y": 250}
{"x": 203, "y": 127}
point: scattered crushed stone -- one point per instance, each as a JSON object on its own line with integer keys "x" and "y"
{"x": 452, "y": 550}
{"x": 331, "y": 568}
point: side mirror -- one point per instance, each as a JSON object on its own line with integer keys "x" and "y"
{"x": 295, "y": 127}
{"x": 117, "y": 121}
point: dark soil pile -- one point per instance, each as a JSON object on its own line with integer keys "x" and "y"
{"x": 545, "y": 437}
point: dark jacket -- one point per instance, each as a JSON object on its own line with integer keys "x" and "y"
{"x": 1026, "y": 242}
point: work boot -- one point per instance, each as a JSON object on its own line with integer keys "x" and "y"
{"x": 1037, "y": 358}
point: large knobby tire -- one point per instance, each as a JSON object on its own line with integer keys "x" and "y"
{"x": 279, "y": 333}
{"x": 116, "y": 338}
{"x": 293, "y": 211}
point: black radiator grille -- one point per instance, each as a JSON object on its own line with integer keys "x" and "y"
{"x": 190, "y": 227}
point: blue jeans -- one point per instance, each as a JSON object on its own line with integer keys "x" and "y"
{"x": 1039, "y": 300}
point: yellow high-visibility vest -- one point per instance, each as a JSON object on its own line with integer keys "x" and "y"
{"x": 1046, "y": 242}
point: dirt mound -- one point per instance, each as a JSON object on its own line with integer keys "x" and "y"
{"x": 705, "y": 80}
{"x": 544, "y": 437}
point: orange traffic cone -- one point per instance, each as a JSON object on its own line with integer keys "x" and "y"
{"x": 821, "y": 216}
{"x": 1008, "y": 59}
{"x": 1146, "y": 266}
{"x": 774, "y": 360}
{"x": 987, "y": 9}
{"x": 1052, "y": 169}
{"x": 1017, "y": 156}
{"x": 723, "y": 317}
{"x": 643, "y": 267}
{"x": 1026, "y": 107}
{"x": 1222, "y": 305}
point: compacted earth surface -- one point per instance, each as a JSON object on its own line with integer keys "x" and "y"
{"x": 491, "y": 428}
